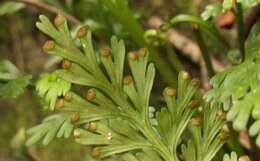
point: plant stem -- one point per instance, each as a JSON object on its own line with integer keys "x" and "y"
{"x": 174, "y": 60}
{"x": 145, "y": 128}
{"x": 153, "y": 138}
{"x": 51, "y": 9}
{"x": 204, "y": 51}
{"x": 240, "y": 28}
{"x": 104, "y": 17}
{"x": 207, "y": 27}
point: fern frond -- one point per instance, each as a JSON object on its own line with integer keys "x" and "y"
{"x": 114, "y": 115}
{"x": 238, "y": 88}
{"x": 233, "y": 157}
{"x": 12, "y": 81}
{"x": 208, "y": 136}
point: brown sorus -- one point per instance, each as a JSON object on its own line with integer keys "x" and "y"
{"x": 127, "y": 79}
{"x": 192, "y": 104}
{"x": 68, "y": 96}
{"x": 90, "y": 95}
{"x": 66, "y": 64}
{"x": 106, "y": 52}
{"x": 133, "y": 55}
{"x": 194, "y": 82}
{"x": 222, "y": 114}
{"x": 58, "y": 20}
{"x": 49, "y": 45}
{"x": 196, "y": 121}
{"x": 223, "y": 135}
{"x": 95, "y": 153}
{"x": 82, "y": 32}
{"x": 142, "y": 52}
{"x": 59, "y": 103}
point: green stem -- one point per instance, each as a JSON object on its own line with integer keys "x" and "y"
{"x": 169, "y": 76}
{"x": 104, "y": 17}
{"x": 144, "y": 126}
{"x": 240, "y": 28}
{"x": 160, "y": 147}
{"x": 204, "y": 51}
{"x": 174, "y": 60}
{"x": 206, "y": 26}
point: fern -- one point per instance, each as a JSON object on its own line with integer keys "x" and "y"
{"x": 238, "y": 87}
{"x": 12, "y": 81}
{"x": 114, "y": 116}
{"x": 51, "y": 87}
{"x": 206, "y": 140}
{"x": 233, "y": 157}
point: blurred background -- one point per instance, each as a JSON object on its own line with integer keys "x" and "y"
{"x": 21, "y": 43}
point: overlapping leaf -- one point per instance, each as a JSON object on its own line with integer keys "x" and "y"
{"x": 10, "y": 7}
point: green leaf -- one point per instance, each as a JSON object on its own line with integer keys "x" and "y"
{"x": 227, "y": 4}
{"x": 88, "y": 138}
{"x": 248, "y": 3}
{"x": 57, "y": 125}
{"x": 8, "y": 70}
{"x": 10, "y": 7}
{"x": 211, "y": 11}
{"x": 233, "y": 157}
{"x": 15, "y": 87}
{"x": 12, "y": 81}
{"x": 214, "y": 10}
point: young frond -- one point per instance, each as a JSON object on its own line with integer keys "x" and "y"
{"x": 50, "y": 87}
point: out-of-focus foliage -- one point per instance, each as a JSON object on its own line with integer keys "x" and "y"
{"x": 214, "y": 10}
{"x": 12, "y": 81}
{"x": 10, "y": 7}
